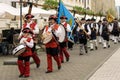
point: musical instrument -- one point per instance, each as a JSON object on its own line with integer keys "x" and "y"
{"x": 79, "y": 25}
{"x": 19, "y": 50}
{"x": 63, "y": 34}
{"x": 47, "y": 36}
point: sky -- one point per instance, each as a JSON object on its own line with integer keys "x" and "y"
{"x": 117, "y": 2}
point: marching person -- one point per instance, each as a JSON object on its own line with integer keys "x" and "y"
{"x": 75, "y": 33}
{"x": 115, "y": 30}
{"x": 104, "y": 32}
{"x": 99, "y": 36}
{"x": 24, "y": 58}
{"x": 52, "y": 49}
{"x": 85, "y": 26}
{"x": 29, "y": 23}
{"x": 63, "y": 45}
{"x": 93, "y": 35}
{"x": 82, "y": 41}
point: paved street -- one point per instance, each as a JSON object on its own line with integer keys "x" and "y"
{"x": 78, "y": 68}
{"x": 110, "y": 70}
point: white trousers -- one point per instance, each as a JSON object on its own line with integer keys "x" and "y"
{"x": 106, "y": 43}
{"x": 93, "y": 43}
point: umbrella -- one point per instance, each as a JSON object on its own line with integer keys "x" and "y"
{"x": 9, "y": 9}
{"x": 36, "y": 10}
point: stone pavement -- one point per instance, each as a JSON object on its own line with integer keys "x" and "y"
{"x": 78, "y": 68}
{"x": 110, "y": 70}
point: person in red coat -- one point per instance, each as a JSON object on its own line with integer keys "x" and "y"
{"x": 29, "y": 23}
{"x": 63, "y": 45}
{"x": 24, "y": 58}
{"x": 52, "y": 49}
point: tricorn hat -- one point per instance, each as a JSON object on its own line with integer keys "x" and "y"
{"x": 28, "y": 16}
{"x": 27, "y": 30}
{"x": 63, "y": 17}
{"x": 53, "y": 17}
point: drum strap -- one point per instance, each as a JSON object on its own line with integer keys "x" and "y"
{"x": 55, "y": 38}
{"x": 65, "y": 26}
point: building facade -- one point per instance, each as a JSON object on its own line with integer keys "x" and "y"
{"x": 71, "y": 3}
{"x": 118, "y": 11}
{"x": 103, "y": 6}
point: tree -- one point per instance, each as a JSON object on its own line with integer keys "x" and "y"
{"x": 50, "y": 4}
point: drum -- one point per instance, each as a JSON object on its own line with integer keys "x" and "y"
{"x": 19, "y": 50}
{"x": 62, "y": 34}
{"x": 46, "y": 37}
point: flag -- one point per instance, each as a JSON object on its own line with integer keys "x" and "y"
{"x": 63, "y": 11}
{"x": 110, "y": 17}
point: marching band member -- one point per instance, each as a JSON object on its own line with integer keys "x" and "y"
{"x": 29, "y": 23}
{"x": 82, "y": 41}
{"x": 115, "y": 30}
{"x": 93, "y": 35}
{"x": 24, "y": 58}
{"x": 63, "y": 45}
{"x": 104, "y": 31}
{"x": 52, "y": 49}
{"x": 85, "y": 26}
{"x": 99, "y": 36}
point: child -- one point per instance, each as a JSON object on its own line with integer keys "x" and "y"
{"x": 83, "y": 41}
{"x": 24, "y": 58}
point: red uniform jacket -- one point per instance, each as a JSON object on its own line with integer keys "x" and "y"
{"x": 28, "y": 51}
{"x": 52, "y": 43}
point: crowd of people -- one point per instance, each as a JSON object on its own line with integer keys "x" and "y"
{"x": 87, "y": 34}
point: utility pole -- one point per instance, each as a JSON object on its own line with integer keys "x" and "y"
{"x": 85, "y": 8}
{"x": 20, "y": 13}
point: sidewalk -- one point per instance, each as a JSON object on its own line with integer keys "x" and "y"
{"x": 110, "y": 70}
{"x": 78, "y": 68}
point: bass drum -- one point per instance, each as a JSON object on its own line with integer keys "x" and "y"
{"x": 62, "y": 34}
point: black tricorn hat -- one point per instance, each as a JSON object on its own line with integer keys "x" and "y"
{"x": 28, "y": 16}
{"x": 63, "y": 17}
{"x": 27, "y": 30}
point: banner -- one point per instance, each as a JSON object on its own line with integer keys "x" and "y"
{"x": 63, "y": 11}
{"x": 109, "y": 17}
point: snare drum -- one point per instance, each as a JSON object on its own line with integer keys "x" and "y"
{"x": 47, "y": 37}
{"x": 19, "y": 50}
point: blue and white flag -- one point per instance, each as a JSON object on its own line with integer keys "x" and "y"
{"x": 63, "y": 11}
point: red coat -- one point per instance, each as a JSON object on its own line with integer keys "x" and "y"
{"x": 28, "y": 51}
{"x": 32, "y": 25}
{"x": 52, "y": 43}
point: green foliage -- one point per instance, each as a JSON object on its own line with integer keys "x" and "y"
{"x": 78, "y": 10}
{"x": 99, "y": 14}
{"x": 111, "y": 11}
{"x": 50, "y": 4}
{"x": 81, "y": 10}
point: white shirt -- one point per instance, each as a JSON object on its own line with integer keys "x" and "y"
{"x": 35, "y": 31}
{"x": 68, "y": 29}
{"x": 29, "y": 44}
{"x": 56, "y": 32}
{"x": 83, "y": 27}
